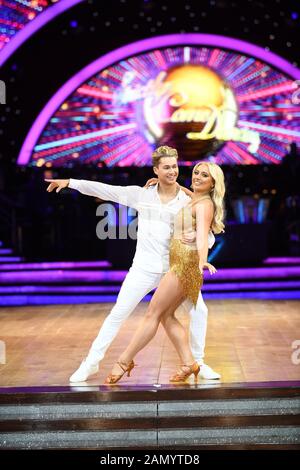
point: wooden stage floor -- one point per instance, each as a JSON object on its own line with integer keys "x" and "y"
{"x": 247, "y": 341}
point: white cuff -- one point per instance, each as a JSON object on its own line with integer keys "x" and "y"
{"x": 73, "y": 184}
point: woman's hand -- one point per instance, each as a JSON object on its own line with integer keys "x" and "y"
{"x": 151, "y": 182}
{"x": 57, "y": 184}
{"x": 208, "y": 266}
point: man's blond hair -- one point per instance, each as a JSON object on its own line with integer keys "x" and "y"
{"x": 163, "y": 151}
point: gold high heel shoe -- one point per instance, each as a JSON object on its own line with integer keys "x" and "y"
{"x": 185, "y": 371}
{"x": 114, "y": 378}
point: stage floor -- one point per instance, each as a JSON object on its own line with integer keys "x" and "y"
{"x": 247, "y": 341}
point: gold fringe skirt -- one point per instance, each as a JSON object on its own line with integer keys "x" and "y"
{"x": 184, "y": 262}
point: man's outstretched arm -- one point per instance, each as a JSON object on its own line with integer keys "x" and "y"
{"x": 126, "y": 195}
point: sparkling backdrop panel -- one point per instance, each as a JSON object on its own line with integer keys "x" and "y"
{"x": 108, "y": 122}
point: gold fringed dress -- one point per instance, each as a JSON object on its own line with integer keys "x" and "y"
{"x": 184, "y": 259}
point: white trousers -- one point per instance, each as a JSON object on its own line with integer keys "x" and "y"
{"x": 136, "y": 285}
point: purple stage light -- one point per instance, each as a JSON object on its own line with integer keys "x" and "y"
{"x": 6, "y": 251}
{"x": 54, "y": 265}
{"x": 256, "y": 286}
{"x": 282, "y": 260}
{"x": 34, "y": 25}
{"x": 207, "y": 287}
{"x": 58, "y": 289}
{"x": 57, "y": 276}
{"x": 276, "y": 295}
{"x": 19, "y": 300}
{"x": 256, "y": 273}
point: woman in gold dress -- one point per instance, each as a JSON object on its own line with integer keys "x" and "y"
{"x": 185, "y": 277}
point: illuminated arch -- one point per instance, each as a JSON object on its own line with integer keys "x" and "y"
{"x": 137, "y": 48}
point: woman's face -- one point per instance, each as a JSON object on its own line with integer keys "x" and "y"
{"x": 202, "y": 180}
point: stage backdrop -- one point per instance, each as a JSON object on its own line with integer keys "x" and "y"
{"x": 211, "y": 97}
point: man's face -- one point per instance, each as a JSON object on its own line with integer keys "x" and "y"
{"x": 167, "y": 170}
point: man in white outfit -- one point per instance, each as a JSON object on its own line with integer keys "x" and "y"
{"x": 156, "y": 207}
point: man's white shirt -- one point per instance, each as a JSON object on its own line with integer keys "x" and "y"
{"x": 155, "y": 219}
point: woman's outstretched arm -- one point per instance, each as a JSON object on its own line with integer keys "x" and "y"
{"x": 204, "y": 217}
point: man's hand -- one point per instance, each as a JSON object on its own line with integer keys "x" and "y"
{"x": 187, "y": 191}
{"x": 188, "y": 237}
{"x": 151, "y": 182}
{"x": 208, "y": 266}
{"x": 57, "y": 184}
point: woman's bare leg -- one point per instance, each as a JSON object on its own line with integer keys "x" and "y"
{"x": 179, "y": 337}
{"x": 168, "y": 296}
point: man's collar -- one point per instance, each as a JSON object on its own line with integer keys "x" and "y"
{"x": 175, "y": 198}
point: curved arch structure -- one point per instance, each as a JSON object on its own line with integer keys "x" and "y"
{"x": 34, "y": 25}
{"x": 141, "y": 47}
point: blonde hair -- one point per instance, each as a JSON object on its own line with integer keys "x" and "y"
{"x": 217, "y": 195}
{"x": 163, "y": 151}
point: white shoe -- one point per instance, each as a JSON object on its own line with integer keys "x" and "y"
{"x": 208, "y": 373}
{"x": 83, "y": 372}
